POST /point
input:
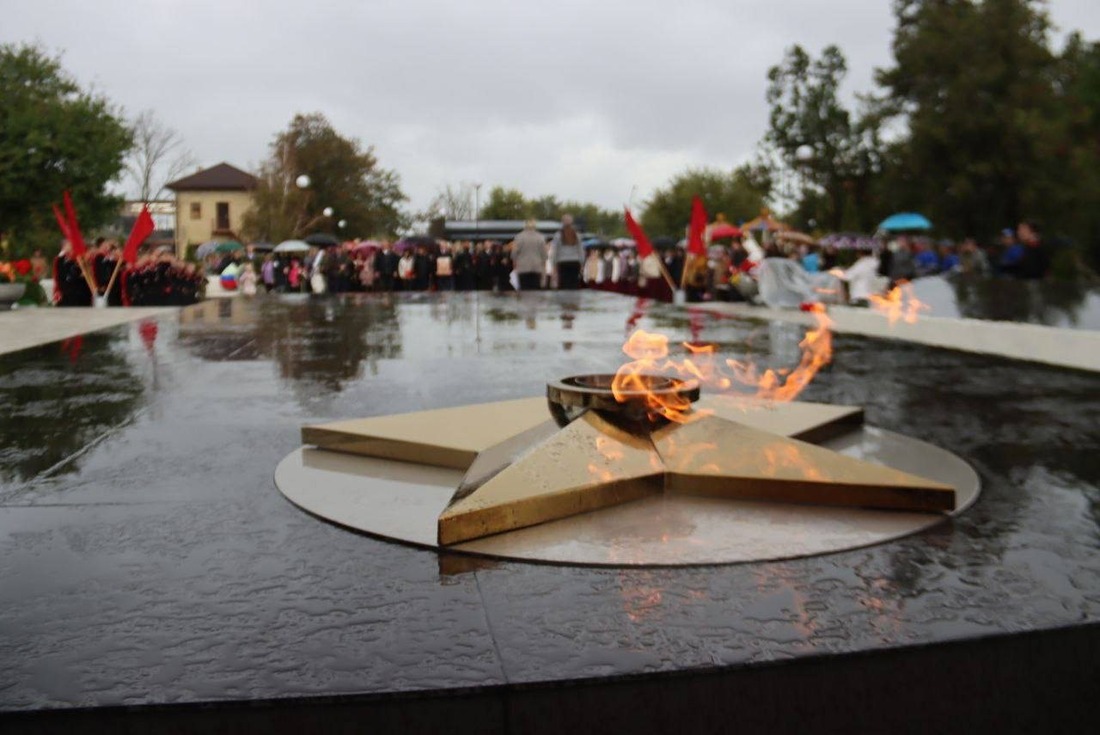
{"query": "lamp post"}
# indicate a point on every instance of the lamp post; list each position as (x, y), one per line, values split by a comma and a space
(804, 158)
(477, 211)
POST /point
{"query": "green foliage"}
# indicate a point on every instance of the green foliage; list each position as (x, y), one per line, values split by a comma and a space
(1076, 187)
(511, 204)
(973, 82)
(739, 195)
(807, 117)
(594, 218)
(505, 204)
(1001, 128)
(987, 126)
(53, 136)
(343, 176)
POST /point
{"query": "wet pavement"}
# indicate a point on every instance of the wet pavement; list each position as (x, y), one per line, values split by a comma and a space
(1069, 304)
(146, 556)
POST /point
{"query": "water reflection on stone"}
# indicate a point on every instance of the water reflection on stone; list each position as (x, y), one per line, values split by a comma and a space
(323, 342)
(162, 533)
(1070, 303)
(58, 398)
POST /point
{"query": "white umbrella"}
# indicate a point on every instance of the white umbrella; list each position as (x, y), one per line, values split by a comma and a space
(206, 248)
(292, 246)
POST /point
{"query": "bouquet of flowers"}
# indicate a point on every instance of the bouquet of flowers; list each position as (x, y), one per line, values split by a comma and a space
(18, 284)
(15, 271)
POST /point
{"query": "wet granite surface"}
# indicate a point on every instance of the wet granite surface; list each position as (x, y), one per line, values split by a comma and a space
(147, 557)
(1068, 304)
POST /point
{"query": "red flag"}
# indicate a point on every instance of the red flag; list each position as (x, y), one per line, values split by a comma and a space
(62, 223)
(75, 238)
(645, 247)
(142, 229)
(698, 226)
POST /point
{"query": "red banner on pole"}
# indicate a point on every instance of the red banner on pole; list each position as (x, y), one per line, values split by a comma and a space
(75, 238)
(645, 247)
(142, 229)
(695, 245)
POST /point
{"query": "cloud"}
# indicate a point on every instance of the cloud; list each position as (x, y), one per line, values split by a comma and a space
(583, 100)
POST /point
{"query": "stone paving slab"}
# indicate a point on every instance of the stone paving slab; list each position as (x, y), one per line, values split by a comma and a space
(149, 565)
(1071, 348)
(24, 328)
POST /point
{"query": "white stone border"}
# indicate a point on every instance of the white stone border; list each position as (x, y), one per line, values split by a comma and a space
(1071, 348)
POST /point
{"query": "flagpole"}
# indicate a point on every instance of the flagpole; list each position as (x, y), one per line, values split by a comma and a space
(114, 275)
(665, 273)
(89, 277)
(653, 251)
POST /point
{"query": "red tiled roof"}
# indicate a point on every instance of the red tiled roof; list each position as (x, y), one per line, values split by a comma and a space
(222, 177)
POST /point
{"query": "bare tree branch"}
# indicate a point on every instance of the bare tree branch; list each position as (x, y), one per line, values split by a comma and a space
(157, 158)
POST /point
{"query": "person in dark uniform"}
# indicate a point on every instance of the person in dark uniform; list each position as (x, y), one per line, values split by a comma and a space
(385, 267)
(463, 267)
(424, 267)
(104, 263)
(71, 288)
(482, 262)
(1034, 263)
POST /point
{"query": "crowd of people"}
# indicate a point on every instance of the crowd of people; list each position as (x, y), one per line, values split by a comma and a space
(154, 279)
(734, 269)
(528, 262)
(422, 264)
(740, 269)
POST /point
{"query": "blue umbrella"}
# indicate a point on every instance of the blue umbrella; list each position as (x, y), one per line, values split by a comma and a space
(905, 221)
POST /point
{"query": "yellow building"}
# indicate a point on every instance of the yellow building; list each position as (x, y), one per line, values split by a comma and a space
(210, 205)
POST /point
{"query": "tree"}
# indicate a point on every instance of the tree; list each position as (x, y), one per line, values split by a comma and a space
(157, 158)
(591, 217)
(739, 195)
(513, 205)
(1077, 89)
(817, 139)
(53, 136)
(505, 204)
(972, 81)
(343, 176)
(453, 202)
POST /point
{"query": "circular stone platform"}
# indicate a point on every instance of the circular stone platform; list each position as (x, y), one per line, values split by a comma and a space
(401, 501)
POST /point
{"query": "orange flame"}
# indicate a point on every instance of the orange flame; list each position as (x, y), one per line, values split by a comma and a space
(783, 385)
(899, 303)
(649, 355)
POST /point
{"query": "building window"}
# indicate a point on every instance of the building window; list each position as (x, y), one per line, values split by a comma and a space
(223, 216)
(196, 210)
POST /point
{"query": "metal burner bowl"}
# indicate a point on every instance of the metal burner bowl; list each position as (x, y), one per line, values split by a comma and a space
(570, 397)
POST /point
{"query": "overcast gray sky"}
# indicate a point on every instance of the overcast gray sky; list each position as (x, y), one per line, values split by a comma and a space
(581, 99)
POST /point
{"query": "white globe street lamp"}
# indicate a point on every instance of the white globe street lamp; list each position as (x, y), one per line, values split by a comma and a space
(303, 181)
(327, 211)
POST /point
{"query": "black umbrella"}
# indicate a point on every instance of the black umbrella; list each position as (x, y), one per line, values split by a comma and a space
(664, 242)
(322, 240)
(263, 247)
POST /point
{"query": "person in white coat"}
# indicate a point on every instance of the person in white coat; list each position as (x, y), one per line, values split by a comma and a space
(863, 279)
(529, 257)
